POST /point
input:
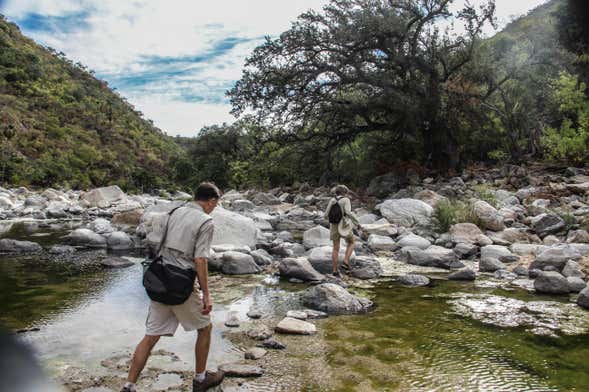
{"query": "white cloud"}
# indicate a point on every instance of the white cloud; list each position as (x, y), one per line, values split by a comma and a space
(182, 118)
(118, 36)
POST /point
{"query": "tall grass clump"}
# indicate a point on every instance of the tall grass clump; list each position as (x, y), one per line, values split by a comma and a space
(485, 193)
(448, 213)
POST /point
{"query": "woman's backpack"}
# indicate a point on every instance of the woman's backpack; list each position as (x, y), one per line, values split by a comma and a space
(336, 213)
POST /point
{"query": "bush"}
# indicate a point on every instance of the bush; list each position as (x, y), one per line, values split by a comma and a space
(483, 192)
(569, 142)
(448, 213)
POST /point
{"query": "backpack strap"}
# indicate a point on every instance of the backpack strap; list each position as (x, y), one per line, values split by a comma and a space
(159, 249)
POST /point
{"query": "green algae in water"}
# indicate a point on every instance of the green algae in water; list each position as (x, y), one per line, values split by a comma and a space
(412, 341)
(32, 289)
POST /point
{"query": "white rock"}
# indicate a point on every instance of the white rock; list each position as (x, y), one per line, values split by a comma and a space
(315, 237)
(232, 228)
(406, 212)
(295, 326)
(104, 197)
(414, 241)
(380, 242)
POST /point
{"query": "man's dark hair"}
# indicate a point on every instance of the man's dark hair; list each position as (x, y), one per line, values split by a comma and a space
(206, 191)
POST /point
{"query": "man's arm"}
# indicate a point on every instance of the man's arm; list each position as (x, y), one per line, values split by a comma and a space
(202, 274)
(202, 250)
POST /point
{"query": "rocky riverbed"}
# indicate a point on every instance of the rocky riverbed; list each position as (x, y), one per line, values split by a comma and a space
(520, 270)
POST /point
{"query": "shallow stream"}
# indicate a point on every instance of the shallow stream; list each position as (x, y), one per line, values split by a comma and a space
(414, 340)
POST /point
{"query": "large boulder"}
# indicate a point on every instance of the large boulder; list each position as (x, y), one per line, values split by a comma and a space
(583, 298)
(527, 249)
(366, 268)
(430, 197)
(414, 241)
(299, 268)
(434, 256)
(100, 226)
(406, 212)
(6, 203)
(14, 246)
(129, 218)
(489, 216)
(86, 237)
(489, 264)
(578, 236)
(334, 299)
(576, 284)
(572, 269)
(237, 263)
(466, 274)
(495, 252)
(266, 199)
(104, 197)
(380, 227)
(119, 240)
(467, 233)
(545, 224)
(551, 283)
(233, 229)
(386, 184)
(57, 209)
(512, 235)
(261, 257)
(367, 219)
(315, 237)
(320, 258)
(381, 242)
(556, 256)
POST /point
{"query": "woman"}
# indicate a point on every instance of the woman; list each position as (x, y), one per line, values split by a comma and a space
(341, 225)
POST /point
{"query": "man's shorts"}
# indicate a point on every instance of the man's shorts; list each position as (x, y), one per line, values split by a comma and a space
(163, 319)
(334, 234)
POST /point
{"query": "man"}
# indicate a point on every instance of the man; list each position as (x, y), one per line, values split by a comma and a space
(341, 225)
(187, 245)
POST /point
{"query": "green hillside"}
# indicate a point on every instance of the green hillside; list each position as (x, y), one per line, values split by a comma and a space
(60, 126)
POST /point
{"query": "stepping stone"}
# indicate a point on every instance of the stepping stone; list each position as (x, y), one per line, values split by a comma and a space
(290, 325)
(255, 353)
(260, 332)
(241, 370)
(298, 314)
(254, 314)
(272, 344)
(232, 320)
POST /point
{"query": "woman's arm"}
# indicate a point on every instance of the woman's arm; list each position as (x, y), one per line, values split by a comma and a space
(326, 213)
(348, 211)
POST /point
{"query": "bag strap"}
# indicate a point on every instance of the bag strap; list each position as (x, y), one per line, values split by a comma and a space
(159, 249)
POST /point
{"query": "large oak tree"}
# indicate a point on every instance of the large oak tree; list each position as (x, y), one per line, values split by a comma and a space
(367, 66)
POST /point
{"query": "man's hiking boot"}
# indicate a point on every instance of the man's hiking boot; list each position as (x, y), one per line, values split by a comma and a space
(212, 379)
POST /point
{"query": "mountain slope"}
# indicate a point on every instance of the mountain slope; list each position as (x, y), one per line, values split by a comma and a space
(60, 126)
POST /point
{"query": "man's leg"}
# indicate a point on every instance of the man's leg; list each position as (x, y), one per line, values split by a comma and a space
(140, 356)
(335, 256)
(201, 348)
(349, 250)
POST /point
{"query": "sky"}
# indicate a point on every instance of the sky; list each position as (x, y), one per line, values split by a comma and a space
(173, 59)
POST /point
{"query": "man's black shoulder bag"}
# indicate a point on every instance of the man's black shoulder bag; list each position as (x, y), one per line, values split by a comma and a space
(165, 283)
